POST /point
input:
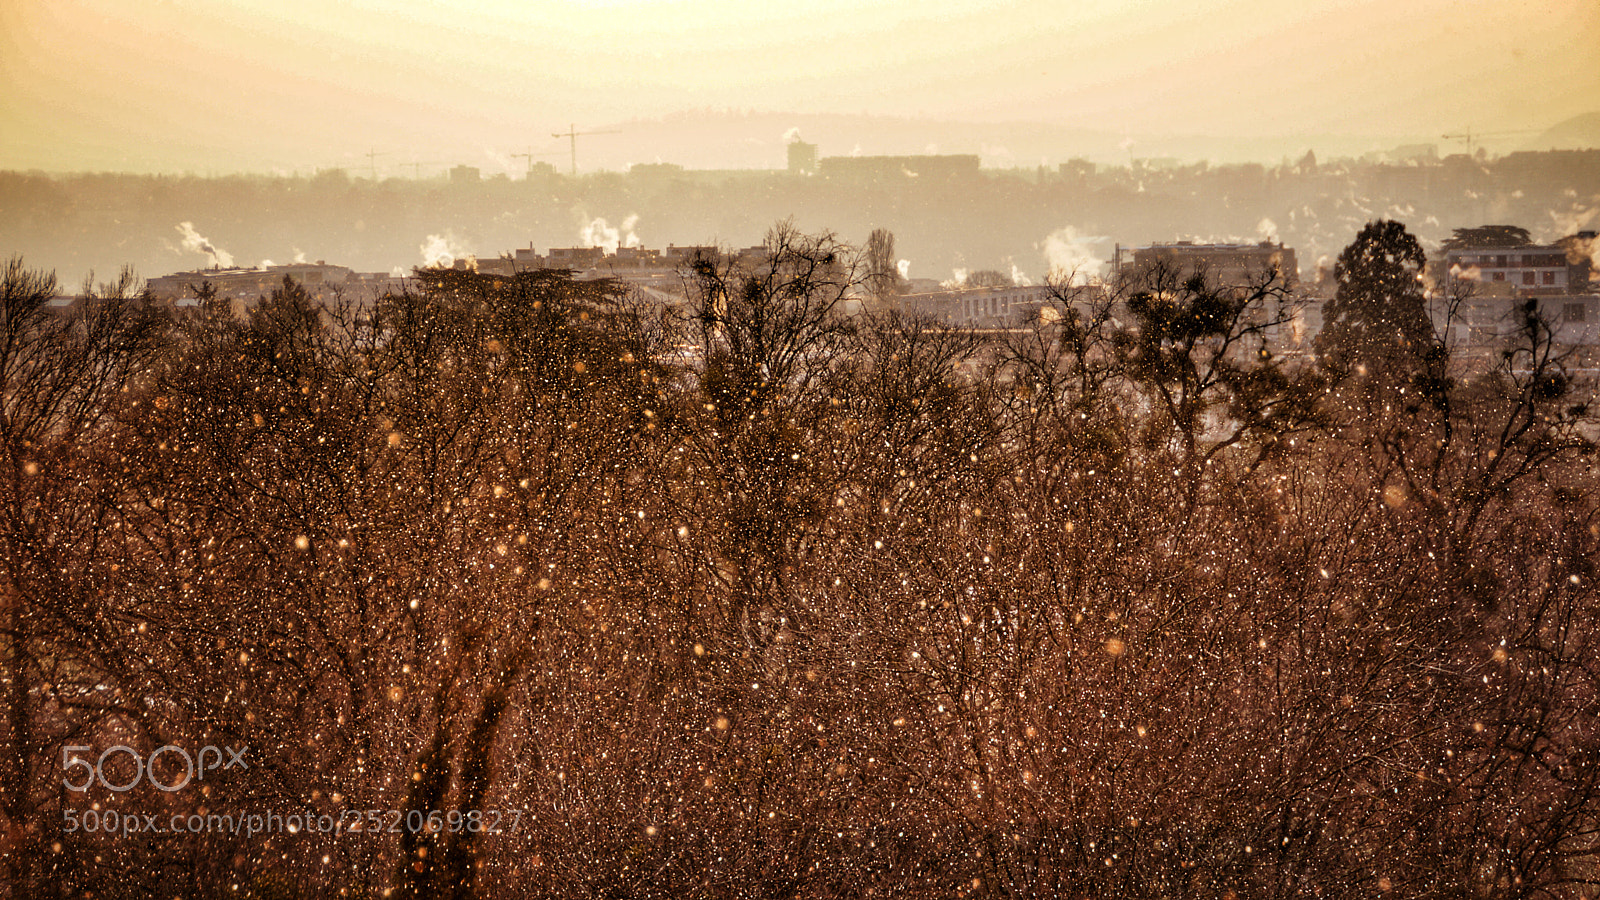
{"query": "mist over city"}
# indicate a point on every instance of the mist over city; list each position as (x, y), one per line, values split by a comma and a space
(698, 448)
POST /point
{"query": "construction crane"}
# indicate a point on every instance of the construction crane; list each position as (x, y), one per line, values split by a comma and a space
(572, 133)
(372, 159)
(1469, 137)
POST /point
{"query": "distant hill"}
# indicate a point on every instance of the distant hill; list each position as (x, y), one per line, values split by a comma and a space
(755, 140)
(1577, 133)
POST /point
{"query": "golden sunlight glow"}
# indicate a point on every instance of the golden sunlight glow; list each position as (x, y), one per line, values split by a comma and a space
(99, 78)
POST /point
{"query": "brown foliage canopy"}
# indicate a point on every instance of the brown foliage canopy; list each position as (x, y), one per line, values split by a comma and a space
(770, 601)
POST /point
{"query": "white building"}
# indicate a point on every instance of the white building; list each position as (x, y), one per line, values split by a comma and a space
(1528, 269)
(994, 307)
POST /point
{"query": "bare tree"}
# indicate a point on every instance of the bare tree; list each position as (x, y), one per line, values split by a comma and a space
(1118, 603)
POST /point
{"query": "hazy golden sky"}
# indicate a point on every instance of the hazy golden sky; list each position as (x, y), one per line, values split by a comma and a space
(262, 84)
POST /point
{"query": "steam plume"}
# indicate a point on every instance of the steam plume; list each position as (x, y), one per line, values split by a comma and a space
(1072, 254)
(442, 250)
(194, 241)
(600, 233)
(1574, 220)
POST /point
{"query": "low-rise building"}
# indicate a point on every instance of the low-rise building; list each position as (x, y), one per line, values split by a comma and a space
(1488, 321)
(575, 257)
(1540, 268)
(987, 307)
(250, 284)
(933, 167)
(1223, 265)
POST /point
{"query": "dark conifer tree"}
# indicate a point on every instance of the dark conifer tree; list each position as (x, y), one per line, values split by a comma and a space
(1378, 318)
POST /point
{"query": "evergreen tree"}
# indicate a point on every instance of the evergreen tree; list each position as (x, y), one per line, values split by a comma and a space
(1378, 318)
(1489, 236)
